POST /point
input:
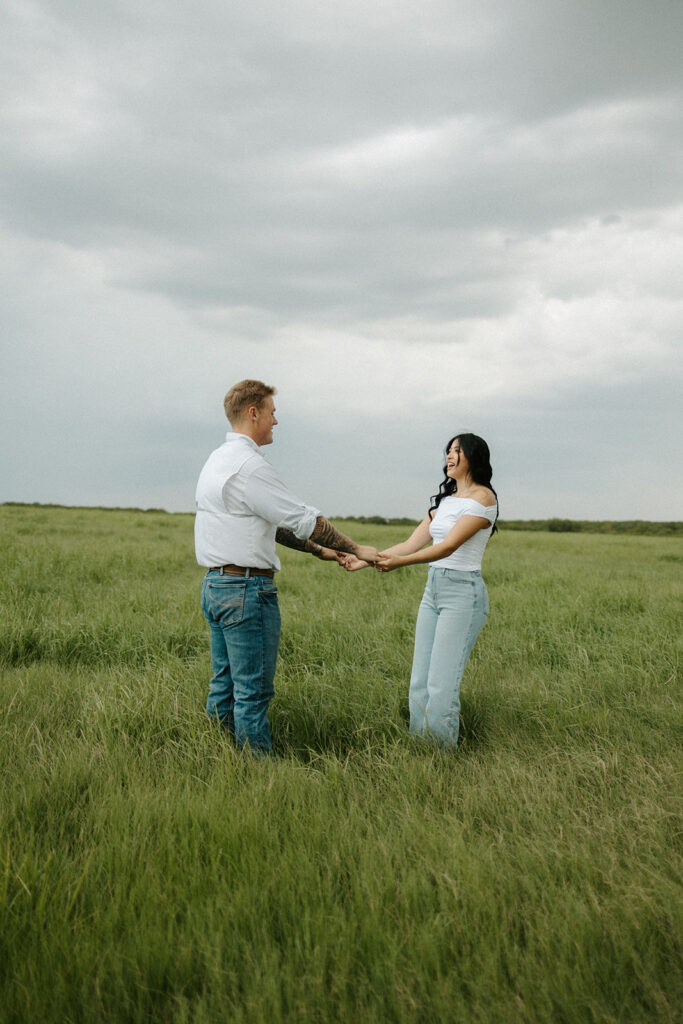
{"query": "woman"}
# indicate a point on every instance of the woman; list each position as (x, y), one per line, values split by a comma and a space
(454, 608)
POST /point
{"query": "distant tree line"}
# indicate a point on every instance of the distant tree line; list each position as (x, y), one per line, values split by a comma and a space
(632, 526)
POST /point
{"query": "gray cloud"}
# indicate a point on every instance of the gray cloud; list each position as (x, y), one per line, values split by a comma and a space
(482, 197)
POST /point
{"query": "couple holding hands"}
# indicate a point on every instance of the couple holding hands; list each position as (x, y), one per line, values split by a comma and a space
(244, 509)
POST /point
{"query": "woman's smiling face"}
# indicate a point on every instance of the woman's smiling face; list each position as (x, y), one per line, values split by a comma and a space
(456, 460)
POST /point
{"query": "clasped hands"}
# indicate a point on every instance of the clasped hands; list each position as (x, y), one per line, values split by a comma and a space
(365, 556)
(381, 561)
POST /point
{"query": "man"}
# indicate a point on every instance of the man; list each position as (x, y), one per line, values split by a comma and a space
(243, 508)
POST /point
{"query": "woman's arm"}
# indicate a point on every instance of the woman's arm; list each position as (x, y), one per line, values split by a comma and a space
(465, 528)
(418, 538)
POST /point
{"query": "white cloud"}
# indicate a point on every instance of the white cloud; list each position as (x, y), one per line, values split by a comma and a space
(378, 155)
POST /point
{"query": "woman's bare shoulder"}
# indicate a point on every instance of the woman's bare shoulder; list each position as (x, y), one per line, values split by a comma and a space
(484, 495)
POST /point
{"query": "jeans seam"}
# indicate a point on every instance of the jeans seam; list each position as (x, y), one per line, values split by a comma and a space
(262, 637)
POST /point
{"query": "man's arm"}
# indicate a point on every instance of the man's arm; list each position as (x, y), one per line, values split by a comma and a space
(331, 537)
(290, 540)
(267, 497)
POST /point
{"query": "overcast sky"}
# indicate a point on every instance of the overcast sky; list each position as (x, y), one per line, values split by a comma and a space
(412, 218)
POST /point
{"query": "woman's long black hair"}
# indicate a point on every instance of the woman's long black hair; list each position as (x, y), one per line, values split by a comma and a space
(476, 451)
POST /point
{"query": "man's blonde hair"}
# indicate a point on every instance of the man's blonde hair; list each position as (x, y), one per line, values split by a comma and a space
(243, 395)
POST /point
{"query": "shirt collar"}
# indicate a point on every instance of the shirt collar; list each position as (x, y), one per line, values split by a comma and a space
(234, 438)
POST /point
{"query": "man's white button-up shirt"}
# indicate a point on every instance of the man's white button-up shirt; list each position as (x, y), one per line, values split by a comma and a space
(240, 503)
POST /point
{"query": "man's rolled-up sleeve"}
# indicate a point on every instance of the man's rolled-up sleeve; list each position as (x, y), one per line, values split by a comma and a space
(267, 497)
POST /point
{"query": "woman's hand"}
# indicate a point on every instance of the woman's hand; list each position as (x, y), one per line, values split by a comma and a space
(387, 563)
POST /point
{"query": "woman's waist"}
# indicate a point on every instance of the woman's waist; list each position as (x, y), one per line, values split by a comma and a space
(440, 568)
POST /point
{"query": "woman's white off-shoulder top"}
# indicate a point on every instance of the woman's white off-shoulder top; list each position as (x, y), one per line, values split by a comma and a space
(469, 555)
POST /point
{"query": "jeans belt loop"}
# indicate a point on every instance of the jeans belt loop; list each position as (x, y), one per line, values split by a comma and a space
(247, 574)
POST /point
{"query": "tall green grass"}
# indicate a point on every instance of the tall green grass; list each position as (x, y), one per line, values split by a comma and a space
(150, 872)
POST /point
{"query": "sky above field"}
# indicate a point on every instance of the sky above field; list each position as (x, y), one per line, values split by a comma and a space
(413, 219)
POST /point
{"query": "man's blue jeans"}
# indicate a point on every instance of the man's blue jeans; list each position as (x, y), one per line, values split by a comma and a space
(453, 610)
(244, 618)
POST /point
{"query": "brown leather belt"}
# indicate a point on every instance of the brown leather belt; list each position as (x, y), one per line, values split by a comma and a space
(239, 570)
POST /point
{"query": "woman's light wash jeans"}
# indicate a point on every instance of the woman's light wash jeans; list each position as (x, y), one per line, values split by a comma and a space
(244, 617)
(453, 610)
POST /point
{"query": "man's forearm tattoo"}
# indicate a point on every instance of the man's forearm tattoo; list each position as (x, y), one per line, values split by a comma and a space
(327, 535)
(290, 540)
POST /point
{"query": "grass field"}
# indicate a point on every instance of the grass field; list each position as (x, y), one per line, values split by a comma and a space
(149, 872)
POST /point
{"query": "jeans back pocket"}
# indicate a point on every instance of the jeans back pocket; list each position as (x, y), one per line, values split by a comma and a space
(226, 602)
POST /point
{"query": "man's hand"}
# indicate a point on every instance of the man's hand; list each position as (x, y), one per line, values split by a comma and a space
(351, 563)
(328, 555)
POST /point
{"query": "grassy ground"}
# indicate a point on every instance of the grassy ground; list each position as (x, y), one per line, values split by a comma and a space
(148, 872)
